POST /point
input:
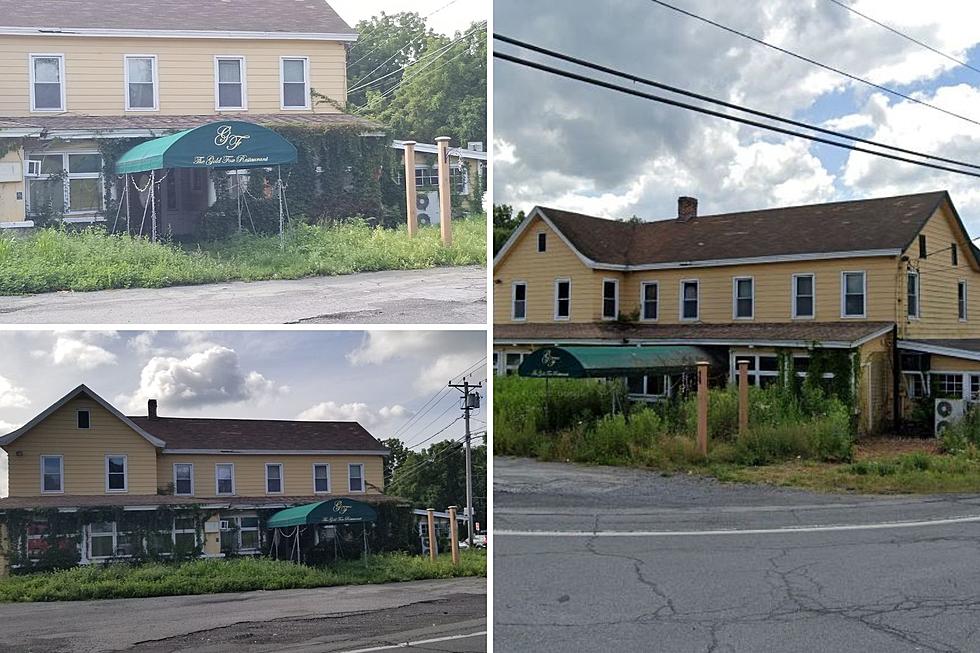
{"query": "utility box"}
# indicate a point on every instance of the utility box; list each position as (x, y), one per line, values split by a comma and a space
(11, 172)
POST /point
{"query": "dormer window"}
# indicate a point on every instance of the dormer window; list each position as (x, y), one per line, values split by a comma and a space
(83, 419)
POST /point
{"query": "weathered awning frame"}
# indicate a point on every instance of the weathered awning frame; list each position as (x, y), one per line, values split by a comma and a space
(610, 361)
(290, 522)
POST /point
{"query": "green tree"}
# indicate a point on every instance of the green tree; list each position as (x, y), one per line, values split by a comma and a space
(387, 43)
(398, 453)
(504, 224)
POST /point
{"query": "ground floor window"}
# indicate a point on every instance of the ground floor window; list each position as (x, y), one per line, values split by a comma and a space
(915, 385)
(764, 368)
(106, 541)
(653, 385)
(67, 183)
(947, 385)
(507, 363)
(240, 534)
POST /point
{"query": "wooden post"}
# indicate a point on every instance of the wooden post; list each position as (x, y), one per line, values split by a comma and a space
(743, 397)
(432, 534)
(445, 194)
(410, 191)
(453, 534)
(703, 408)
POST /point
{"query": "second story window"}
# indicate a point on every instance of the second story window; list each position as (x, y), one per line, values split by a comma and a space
(922, 246)
(273, 478)
(47, 82)
(321, 478)
(542, 242)
(912, 294)
(519, 301)
(141, 83)
(852, 294)
(356, 477)
(563, 299)
(184, 479)
(295, 83)
(961, 299)
(689, 300)
(803, 296)
(743, 291)
(650, 296)
(229, 75)
(116, 473)
(610, 299)
(52, 474)
(224, 478)
(83, 419)
(954, 255)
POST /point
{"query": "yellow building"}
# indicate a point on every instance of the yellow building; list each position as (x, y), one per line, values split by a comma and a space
(198, 484)
(887, 280)
(97, 76)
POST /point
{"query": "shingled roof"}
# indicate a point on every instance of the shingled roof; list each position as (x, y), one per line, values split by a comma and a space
(887, 223)
(214, 434)
(166, 123)
(293, 16)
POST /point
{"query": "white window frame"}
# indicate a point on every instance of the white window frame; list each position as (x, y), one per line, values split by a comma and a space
(156, 82)
(538, 242)
(115, 542)
(843, 294)
(282, 83)
(329, 478)
(918, 295)
(125, 487)
(602, 295)
(735, 315)
(61, 472)
(697, 313)
(217, 94)
(83, 428)
(565, 318)
(174, 531)
(506, 368)
(513, 301)
(217, 492)
(69, 176)
(282, 480)
(643, 301)
(794, 296)
(61, 69)
(179, 494)
(351, 466)
(963, 315)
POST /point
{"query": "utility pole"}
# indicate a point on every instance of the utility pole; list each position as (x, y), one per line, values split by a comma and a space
(471, 400)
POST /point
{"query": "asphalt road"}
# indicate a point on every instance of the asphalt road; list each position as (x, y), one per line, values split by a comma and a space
(443, 615)
(590, 559)
(448, 295)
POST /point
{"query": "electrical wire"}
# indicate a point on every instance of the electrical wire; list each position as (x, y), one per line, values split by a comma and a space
(403, 474)
(718, 114)
(437, 398)
(361, 36)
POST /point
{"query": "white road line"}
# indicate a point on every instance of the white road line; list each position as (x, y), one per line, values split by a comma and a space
(421, 641)
(743, 531)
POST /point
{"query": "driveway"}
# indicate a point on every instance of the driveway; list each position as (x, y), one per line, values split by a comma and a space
(448, 295)
(443, 615)
(590, 556)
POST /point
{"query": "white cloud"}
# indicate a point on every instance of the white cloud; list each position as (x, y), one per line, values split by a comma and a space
(330, 411)
(12, 396)
(142, 343)
(442, 355)
(206, 377)
(75, 352)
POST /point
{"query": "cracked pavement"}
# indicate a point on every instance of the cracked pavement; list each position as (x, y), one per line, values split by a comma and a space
(903, 589)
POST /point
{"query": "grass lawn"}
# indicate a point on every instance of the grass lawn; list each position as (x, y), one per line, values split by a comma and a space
(52, 260)
(118, 581)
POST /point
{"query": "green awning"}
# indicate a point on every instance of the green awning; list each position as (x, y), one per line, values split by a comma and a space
(610, 362)
(229, 144)
(334, 511)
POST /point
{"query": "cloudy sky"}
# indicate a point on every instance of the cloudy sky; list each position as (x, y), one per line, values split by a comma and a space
(562, 143)
(382, 379)
(445, 19)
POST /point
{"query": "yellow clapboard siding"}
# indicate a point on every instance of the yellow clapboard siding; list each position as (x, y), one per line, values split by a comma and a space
(11, 208)
(84, 453)
(250, 472)
(94, 77)
(949, 364)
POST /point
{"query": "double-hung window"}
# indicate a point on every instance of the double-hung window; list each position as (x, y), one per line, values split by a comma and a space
(184, 534)
(355, 477)
(912, 294)
(224, 478)
(563, 299)
(803, 296)
(689, 300)
(321, 478)
(47, 82)
(105, 541)
(518, 301)
(116, 473)
(610, 299)
(853, 292)
(295, 74)
(273, 478)
(141, 82)
(69, 183)
(743, 298)
(961, 299)
(52, 474)
(649, 300)
(184, 479)
(229, 82)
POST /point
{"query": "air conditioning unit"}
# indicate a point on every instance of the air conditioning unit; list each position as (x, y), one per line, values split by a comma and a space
(32, 168)
(475, 146)
(427, 205)
(225, 525)
(947, 412)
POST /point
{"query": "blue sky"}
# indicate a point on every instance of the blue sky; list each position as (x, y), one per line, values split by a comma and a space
(378, 378)
(561, 143)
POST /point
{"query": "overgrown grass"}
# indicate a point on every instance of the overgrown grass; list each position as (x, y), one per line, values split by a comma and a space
(239, 575)
(53, 259)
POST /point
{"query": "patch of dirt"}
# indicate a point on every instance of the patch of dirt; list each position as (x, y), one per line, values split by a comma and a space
(883, 447)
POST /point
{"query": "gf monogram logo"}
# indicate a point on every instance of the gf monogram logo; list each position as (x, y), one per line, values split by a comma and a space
(341, 507)
(228, 140)
(548, 359)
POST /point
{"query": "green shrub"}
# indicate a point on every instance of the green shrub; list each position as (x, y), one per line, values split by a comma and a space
(962, 436)
(524, 407)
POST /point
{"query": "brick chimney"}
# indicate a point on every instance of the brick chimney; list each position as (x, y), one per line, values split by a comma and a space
(687, 208)
(151, 408)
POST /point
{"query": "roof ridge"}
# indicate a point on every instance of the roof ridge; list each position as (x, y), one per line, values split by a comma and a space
(250, 419)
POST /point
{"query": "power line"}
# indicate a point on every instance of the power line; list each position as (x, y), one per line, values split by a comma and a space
(706, 98)
(718, 114)
(428, 460)
(812, 61)
(425, 17)
(437, 397)
(442, 430)
(905, 36)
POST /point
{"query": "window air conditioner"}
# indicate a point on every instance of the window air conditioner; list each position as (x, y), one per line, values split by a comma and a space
(32, 168)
